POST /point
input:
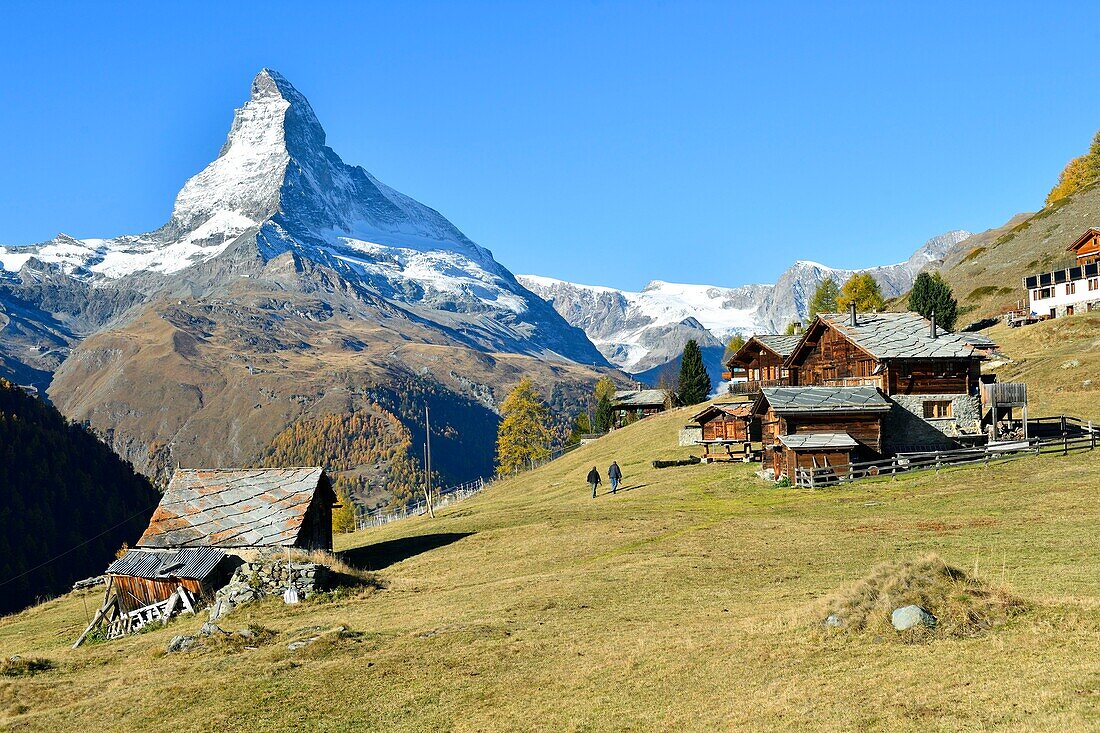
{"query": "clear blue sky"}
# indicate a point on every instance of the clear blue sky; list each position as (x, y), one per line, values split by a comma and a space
(602, 142)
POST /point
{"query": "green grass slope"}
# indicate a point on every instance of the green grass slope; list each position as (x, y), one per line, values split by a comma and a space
(1060, 362)
(687, 602)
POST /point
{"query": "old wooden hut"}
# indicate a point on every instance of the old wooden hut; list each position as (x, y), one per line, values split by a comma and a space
(629, 405)
(847, 423)
(143, 577)
(726, 430)
(207, 520)
(759, 363)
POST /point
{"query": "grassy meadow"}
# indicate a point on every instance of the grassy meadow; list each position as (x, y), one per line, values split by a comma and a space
(689, 601)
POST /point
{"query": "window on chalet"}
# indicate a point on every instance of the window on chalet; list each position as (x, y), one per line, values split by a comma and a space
(937, 409)
(1094, 283)
(1071, 288)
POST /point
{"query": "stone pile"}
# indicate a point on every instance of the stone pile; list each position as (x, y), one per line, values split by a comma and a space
(258, 579)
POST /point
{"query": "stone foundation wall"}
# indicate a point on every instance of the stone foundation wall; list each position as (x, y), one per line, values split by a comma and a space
(906, 429)
(688, 436)
(264, 577)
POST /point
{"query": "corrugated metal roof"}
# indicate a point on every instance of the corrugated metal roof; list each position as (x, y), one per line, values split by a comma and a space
(640, 397)
(255, 507)
(780, 343)
(825, 399)
(188, 562)
(818, 441)
(900, 336)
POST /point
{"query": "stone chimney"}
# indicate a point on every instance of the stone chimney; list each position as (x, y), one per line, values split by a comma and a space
(852, 312)
(933, 332)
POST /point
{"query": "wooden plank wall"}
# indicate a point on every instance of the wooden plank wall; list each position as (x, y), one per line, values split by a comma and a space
(830, 358)
(866, 429)
(933, 376)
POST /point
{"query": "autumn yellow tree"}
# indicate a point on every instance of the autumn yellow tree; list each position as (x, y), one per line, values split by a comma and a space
(863, 290)
(1078, 173)
(343, 516)
(524, 433)
(605, 387)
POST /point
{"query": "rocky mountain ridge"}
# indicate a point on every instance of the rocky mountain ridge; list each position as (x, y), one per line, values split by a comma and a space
(642, 331)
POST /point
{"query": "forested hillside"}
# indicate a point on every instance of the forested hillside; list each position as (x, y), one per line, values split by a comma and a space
(66, 501)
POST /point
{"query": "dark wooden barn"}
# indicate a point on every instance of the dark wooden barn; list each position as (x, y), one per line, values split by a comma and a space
(727, 430)
(759, 363)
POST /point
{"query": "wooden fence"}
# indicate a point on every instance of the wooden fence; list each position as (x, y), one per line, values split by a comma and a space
(822, 476)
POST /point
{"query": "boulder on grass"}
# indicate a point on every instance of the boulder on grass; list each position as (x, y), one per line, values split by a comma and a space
(181, 643)
(910, 617)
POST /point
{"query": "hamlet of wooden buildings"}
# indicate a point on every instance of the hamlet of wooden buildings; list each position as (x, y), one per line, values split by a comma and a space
(209, 522)
(859, 387)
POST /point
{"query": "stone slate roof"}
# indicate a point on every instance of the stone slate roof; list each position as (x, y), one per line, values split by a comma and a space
(825, 399)
(254, 507)
(189, 562)
(733, 409)
(900, 336)
(818, 441)
(639, 398)
(780, 344)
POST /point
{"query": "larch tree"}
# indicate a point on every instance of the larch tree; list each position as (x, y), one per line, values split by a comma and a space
(825, 298)
(582, 425)
(1078, 173)
(605, 387)
(343, 516)
(694, 384)
(864, 291)
(734, 345)
(931, 294)
(524, 434)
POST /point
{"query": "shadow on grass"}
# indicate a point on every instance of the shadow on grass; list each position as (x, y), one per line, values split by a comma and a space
(624, 489)
(383, 554)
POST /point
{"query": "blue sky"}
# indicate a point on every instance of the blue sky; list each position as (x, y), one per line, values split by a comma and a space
(601, 142)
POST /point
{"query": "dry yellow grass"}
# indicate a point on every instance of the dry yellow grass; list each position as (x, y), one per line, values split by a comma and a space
(683, 603)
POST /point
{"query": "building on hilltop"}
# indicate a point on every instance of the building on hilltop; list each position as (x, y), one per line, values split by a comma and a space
(629, 405)
(759, 363)
(1074, 287)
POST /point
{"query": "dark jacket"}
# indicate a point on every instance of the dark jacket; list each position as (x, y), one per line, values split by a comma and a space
(594, 477)
(614, 472)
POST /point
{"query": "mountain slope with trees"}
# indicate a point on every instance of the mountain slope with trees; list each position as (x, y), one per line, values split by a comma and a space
(67, 503)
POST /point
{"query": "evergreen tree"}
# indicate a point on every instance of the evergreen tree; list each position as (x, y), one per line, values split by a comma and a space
(931, 293)
(825, 298)
(524, 433)
(694, 380)
(604, 414)
(864, 291)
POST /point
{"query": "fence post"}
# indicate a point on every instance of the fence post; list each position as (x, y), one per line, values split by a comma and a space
(1065, 441)
(1092, 437)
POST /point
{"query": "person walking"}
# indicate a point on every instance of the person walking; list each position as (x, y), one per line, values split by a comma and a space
(615, 475)
(594, 480)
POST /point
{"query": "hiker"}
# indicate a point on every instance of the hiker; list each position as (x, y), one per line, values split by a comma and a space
(615, 475)
(594, 480)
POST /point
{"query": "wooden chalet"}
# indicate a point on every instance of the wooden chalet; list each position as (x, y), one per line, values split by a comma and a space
(727, 431)
(1086, 248)
(629, 405)
(932, 376)
(206, 521)
(760, 363)
(813, 427)
(1072, 288)
(900, 353)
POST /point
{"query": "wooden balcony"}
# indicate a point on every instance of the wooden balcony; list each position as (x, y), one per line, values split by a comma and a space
(754, 387)
(1005, 394)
